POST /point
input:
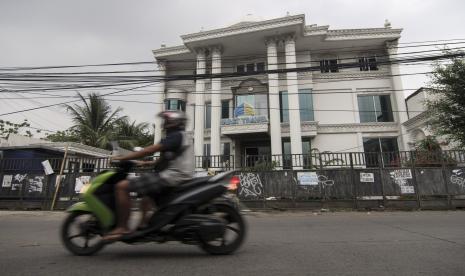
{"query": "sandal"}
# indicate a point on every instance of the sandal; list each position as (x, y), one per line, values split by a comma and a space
(114, 236)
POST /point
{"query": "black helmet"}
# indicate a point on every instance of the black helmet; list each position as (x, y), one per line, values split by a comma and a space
(173, 119)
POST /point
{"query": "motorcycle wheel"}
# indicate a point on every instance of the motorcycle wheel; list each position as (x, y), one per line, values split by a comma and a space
(234, 234)
(81, 234)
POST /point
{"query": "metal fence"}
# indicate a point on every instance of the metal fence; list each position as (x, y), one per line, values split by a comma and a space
(353, 180)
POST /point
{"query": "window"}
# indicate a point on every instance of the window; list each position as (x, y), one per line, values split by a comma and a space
(258, 102)
(368, 63)
(225, 109)
(329, 65)
(225, 151)
(306, 151)
(240, 68)
(387, 147)
(250, 67)
(175, 104)
(376, 108)
(284, 107)
(206, 149)
(208, 115)
(305, 105)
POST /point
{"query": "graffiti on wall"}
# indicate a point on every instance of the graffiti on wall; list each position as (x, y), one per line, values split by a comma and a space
(18, 181)
(458, 178)
(325, 181)
(251, 185)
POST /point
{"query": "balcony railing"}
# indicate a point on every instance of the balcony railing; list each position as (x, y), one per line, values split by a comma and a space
(334, 160)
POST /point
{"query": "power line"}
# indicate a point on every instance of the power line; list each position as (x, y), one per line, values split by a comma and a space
(57, 74)
(50, 105)
(229, 75)
(235, 56)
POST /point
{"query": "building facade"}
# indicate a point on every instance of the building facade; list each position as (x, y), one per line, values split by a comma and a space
(281, 88)
(417, 125)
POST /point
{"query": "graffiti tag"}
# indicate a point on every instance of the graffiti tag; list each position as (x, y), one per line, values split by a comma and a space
(458, 178)
(251, 185)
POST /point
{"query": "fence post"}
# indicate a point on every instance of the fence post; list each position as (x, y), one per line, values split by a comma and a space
(381, 179)
(322, 187)
(354, 182)
(446, 183)
(414, 179)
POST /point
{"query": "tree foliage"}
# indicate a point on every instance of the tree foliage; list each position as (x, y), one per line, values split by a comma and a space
(94, 120)
(8, 127)
(96, 124)
(447, 104)
(133, 134)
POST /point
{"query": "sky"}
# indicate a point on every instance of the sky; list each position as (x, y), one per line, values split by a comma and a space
(64, 32)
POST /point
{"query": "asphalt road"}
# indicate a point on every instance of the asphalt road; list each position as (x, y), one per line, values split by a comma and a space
(344, 243)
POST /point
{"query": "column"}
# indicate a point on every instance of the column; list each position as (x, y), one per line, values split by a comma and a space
(398, 94)
(215, 130)
(190, 111)
(273, 99)
(199, 104)
(159, 99)
(293, 96)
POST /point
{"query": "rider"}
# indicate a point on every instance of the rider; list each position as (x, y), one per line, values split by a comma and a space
(175, 165)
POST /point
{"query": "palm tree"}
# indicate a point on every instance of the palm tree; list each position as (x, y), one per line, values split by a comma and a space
(94, 120)
(132, 134)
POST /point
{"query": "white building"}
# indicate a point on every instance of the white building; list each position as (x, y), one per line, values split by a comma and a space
(350, 100)
(418, 118)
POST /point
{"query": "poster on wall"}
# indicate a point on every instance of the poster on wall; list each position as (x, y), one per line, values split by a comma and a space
(47, 167)
(307, 178)
(407, 189)
(367, 177)
(7, 181)
(402, 174)
(81, 182)
(35, 184)
(17, 181)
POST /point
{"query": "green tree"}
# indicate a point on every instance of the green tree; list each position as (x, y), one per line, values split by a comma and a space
(447, 106)
(8, 127)
(69, 135)
(133, 134)
(94, 121)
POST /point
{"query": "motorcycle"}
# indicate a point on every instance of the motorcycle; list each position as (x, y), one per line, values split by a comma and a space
(199, 212)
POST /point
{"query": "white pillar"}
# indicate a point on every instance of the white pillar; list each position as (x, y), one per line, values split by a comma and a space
(273, 99)
(398, 93)
(199, 104)
(294, 112)
(215, 130)
(190, 111)
(159, 99)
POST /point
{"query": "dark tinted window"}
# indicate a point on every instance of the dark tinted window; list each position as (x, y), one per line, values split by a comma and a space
(240, 68)
(375, 108)
(225, 109)
(250, 67)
